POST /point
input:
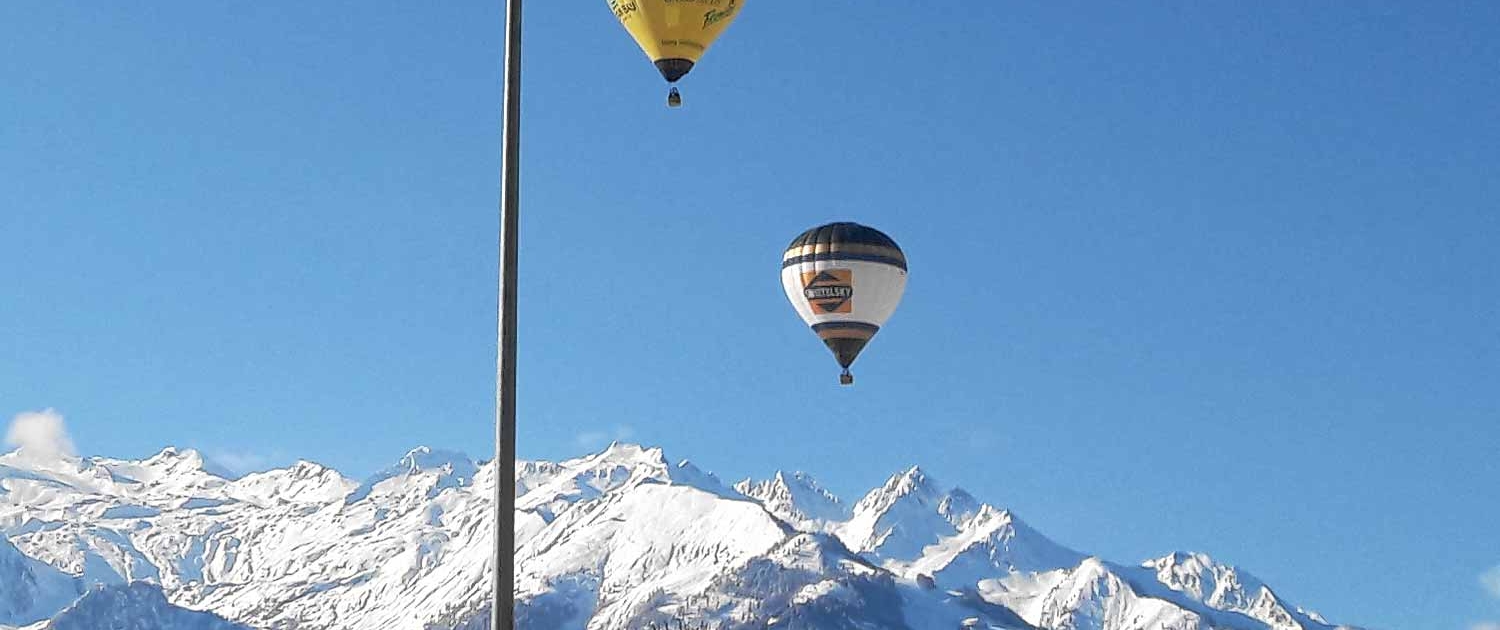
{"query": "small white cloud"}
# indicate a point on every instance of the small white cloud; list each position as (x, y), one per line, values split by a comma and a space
(40, 432)
(1485, 625)
(1490, 580)
(597, 438)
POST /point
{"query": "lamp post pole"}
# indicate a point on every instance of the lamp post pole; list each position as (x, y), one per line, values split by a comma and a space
(502, 615)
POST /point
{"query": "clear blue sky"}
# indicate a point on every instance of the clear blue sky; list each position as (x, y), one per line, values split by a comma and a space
(1216, 275)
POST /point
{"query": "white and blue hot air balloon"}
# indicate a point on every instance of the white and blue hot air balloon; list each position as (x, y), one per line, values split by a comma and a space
(845, 280)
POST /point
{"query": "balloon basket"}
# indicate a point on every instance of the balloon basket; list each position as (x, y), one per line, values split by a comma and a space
(674, 98)
(846, 378)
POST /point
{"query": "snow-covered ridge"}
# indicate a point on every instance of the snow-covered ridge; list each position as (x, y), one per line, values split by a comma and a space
(797, 499)
(616, 539)
(130, 607)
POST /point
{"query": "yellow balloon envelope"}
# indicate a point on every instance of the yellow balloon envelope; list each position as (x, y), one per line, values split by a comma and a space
(675, 33)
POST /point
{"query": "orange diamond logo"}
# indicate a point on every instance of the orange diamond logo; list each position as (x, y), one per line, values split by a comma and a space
(830, 290)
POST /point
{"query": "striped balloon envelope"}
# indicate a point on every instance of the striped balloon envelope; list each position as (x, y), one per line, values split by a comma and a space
(845, 280)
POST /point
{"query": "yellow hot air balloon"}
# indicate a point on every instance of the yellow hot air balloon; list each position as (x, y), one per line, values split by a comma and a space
(675, 33)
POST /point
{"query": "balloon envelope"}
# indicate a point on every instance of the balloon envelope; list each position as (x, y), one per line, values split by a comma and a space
(845, 280)
(675, 33)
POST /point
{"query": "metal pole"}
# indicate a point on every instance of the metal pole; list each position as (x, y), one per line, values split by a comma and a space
(502, 616)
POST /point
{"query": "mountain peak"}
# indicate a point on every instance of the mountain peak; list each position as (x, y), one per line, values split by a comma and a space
(302, 482)
(1196, 563)
(914, 483)
(174, 460)
(959, 507)
(797, 499)
(309, 466)
(172, 454)
(989, 514)
(990, 541)
(897, 520)
(31, 458)
(546, 487)
(685, 473)
(638, 463)
(627, 452)
(1219, 586)
(806, 480)
(915, 474)
(440, 470)
(1193, 559)
(426, 458)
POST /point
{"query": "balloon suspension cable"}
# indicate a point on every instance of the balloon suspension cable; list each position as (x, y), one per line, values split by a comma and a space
(846, 378)
(674, 98)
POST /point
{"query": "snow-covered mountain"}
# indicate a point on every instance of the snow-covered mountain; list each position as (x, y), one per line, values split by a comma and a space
(31, 590)
(138, 606)
(618, 539)
(797, 499)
